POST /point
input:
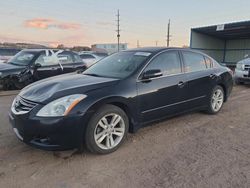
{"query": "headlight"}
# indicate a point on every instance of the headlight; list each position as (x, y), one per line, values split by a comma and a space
(240, 66)
(61, 107)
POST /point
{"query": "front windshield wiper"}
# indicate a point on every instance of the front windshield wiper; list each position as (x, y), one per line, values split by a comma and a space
(92, 74)
(14, 63)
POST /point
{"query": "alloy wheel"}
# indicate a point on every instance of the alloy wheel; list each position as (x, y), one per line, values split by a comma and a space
(109, 131)
(217, 100)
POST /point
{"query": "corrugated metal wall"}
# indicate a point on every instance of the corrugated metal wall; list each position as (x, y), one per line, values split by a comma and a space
(235, 49)
(214, 47)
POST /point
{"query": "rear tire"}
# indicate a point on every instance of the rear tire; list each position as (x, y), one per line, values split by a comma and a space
(106, 130)
(216, 100)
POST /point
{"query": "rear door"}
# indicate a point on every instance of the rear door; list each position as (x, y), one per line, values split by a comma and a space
(67, 61)
(201, 78)
(165, 95)
(48, 67)
(71, 62)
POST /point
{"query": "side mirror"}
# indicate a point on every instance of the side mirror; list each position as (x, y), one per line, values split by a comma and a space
(154, 73)
(37, 65)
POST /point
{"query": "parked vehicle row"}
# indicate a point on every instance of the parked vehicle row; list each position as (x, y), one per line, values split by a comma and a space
(31, 65)
(119, 94)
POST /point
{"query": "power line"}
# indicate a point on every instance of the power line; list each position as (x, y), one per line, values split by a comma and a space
(118, 30)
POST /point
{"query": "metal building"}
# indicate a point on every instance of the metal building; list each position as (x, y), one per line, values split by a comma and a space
(226, 43)
(110, 48)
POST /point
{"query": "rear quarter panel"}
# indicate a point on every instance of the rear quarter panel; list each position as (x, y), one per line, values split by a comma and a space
(226, 80)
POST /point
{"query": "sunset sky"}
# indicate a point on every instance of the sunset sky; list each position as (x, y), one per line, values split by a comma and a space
(85, 22)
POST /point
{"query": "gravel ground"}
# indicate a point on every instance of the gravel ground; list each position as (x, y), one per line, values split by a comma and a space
(194, 150)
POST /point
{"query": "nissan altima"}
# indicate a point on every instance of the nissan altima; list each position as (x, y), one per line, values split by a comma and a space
(119, 94)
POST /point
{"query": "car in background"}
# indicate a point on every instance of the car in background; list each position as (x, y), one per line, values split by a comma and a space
(31, 65)
(4, 59)
(7, 53)
(242, 71)
(120, 93)
(90, 58)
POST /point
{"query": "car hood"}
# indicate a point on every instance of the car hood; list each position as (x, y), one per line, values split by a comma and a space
(53, 88)
(7, 68)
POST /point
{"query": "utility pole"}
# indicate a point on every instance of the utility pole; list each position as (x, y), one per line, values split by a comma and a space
(168, 33)
(138, 44)
(156, 43)
(118, 30)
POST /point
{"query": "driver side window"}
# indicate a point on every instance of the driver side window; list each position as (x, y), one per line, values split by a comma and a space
(168, 62)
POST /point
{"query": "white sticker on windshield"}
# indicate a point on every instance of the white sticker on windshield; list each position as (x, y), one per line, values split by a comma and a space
(143, 54)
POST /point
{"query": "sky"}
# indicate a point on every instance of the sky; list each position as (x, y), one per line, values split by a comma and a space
(86, 22)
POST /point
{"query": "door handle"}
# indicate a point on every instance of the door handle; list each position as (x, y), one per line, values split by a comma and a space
(212, 76)
(181, 84)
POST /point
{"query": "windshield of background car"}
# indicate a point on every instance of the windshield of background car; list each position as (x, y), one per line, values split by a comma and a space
(22, 58)
(119, 65)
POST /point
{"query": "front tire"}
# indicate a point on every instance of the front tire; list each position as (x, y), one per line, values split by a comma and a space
(106, 130)
(216, 100)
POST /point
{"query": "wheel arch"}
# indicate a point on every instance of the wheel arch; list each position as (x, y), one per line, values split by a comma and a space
(225, 90)
(121, 103)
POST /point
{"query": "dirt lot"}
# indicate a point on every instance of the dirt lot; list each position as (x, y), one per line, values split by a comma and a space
(194, 150)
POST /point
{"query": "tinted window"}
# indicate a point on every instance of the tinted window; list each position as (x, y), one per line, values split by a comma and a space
(87, 56)
(194, 62)
(168, 63)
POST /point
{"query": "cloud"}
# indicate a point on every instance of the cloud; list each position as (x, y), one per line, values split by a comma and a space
(46, 23)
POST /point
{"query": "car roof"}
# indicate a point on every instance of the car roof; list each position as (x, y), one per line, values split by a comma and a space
(42, 50)
(156, 50)
(152, 49)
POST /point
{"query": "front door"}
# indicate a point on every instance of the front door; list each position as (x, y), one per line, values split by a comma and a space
(165, 95)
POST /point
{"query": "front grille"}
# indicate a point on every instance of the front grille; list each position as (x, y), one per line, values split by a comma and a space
(247, 67)
(23, 105)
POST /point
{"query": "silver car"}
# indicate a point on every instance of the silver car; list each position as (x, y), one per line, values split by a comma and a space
(242, 71)
(90, 58)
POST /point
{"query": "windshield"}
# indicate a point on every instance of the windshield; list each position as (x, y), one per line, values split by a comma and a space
(119, 65)
(22, 58)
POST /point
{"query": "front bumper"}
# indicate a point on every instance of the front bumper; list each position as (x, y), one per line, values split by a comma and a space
(58, 133)
(242, 75)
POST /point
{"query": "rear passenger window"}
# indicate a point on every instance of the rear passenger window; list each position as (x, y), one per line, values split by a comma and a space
(194, 61)
(65, 58)
(167, 62)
